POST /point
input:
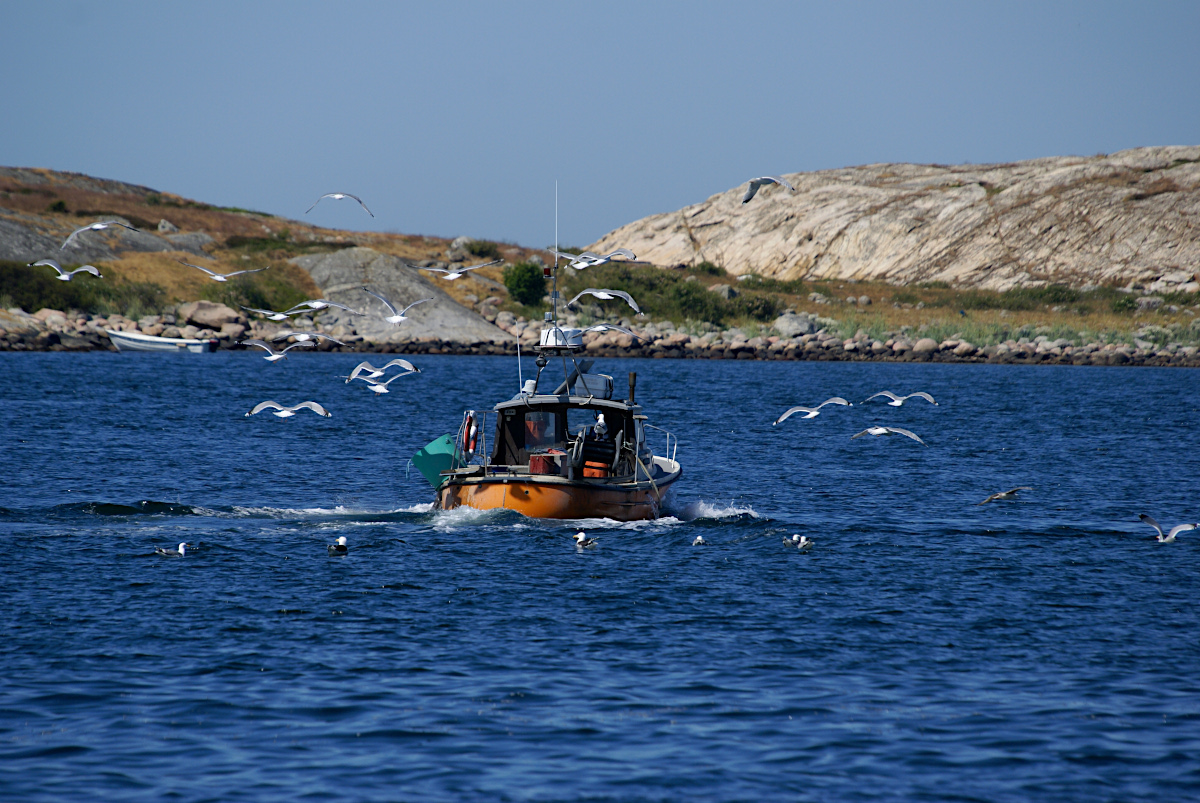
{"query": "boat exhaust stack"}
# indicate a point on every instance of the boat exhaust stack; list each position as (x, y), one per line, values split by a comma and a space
(632, 384)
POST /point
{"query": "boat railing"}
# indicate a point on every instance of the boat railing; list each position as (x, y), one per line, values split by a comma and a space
(672, 441)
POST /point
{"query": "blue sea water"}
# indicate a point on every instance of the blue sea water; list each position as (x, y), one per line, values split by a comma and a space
(927, 648)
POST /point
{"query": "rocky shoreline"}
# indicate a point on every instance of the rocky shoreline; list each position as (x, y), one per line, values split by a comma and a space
(794, 336)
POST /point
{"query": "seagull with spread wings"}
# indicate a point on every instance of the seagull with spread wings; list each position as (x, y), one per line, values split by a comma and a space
(272, 353)
(755, 183)
(589, 260)
(288, 412)
(397, 317)
(302, 337)
(65, 276)
(604, 327)
(99, 226)
(337, 196)
(607, 295)
(1174, 531)
(320, 304)
(1004, 496)
(880, 431)
(272, 315)
(368, 371)
(220, 277)
(454, 273)
(811, 412)
(897, 401)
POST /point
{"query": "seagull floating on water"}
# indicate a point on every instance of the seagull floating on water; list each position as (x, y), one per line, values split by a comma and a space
(274, 354)
(304, 337)
(453, 273)
(589, 260)
(368, 371)
(1005, 495)
(340, 547)
(1170, 536)
(897, 401)
(288, 412)
(396, 318)
(699, 541)
(608, 295)
(799, 541)
(812, 412)
(582, 541)
(172, 553)
(104, 224)
(755, 183)
(65, 276)
(220, 277)
(877, 431)
(337, 196)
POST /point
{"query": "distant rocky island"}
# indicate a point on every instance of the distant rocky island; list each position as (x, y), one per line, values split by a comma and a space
(1132, 216)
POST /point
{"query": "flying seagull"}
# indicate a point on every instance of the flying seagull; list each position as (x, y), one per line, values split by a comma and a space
(454, 273)
(304, 337)
(812, 412)
(337, 196)
(1170, 536)
(172, 553)
(877, 431)
(582, 541)
(363, 368)
(382, 387)
(272, 315)
(65, 276)
(608, 295)
(319, 304)
(340, 547)
(755, 183)
(220, 277)
(288, 412)
(589, 260)
(603, 327)
(396, 318)
(272, 353)
(897, 401)
(799, 541)
(1004, 495)
(104, 224)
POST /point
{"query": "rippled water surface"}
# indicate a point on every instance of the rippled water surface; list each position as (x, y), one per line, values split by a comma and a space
(927, 648)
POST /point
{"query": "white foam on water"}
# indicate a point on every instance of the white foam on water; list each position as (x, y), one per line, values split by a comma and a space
(708, 510)
(337, 510)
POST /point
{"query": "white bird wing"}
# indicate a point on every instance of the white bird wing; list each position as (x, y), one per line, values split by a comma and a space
(405, 364)
(477, 267)
(620, 252)
(51, 262)
(859, 435)
(86, 269)
(122, 225)
(266, 311)
(783, 181)
(906, 433)
(835, 400)
(199, 267)
(393, 379)
(240, 272)
(793, 410)
(358, 369)
(73, 235)
(920, 394)
(303, 344)
(1181, 528)
(601, 327)
(391, 307)
(887, 393)
(262, 344)
(594, 291)
(360, 203)
(1151, 522)
(311, 405)
(258, 408)
(415, 303)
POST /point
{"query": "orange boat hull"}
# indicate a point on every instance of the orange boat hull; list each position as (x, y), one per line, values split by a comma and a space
(542, 500)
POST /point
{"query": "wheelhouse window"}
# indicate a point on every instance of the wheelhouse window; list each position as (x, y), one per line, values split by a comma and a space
(541, 430)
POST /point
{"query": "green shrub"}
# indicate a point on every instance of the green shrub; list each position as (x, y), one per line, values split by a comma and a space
(707, 268)
(525, 283)
(1124, 304)
(483, 249)
(58, 206)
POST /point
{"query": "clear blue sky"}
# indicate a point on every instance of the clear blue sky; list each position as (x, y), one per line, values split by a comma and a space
(457, 118)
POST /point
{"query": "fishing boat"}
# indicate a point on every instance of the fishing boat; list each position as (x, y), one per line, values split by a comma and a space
(569, 450)
(136, 341)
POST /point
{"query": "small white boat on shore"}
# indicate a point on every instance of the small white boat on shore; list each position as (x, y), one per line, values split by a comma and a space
(136, 341)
